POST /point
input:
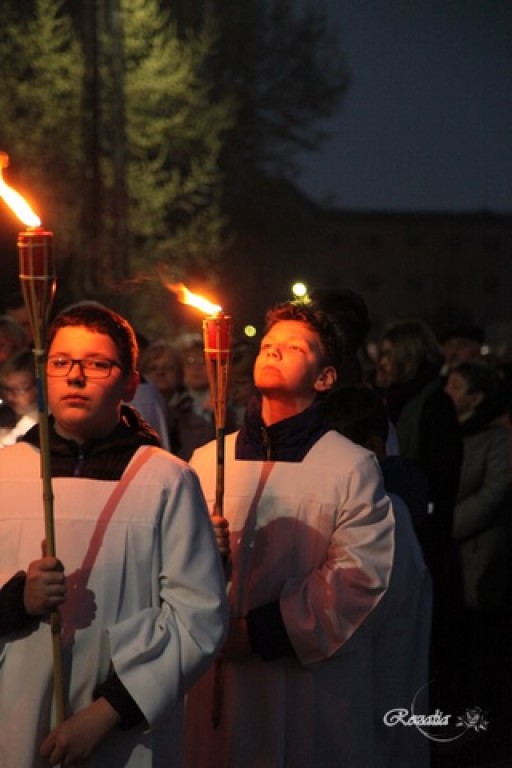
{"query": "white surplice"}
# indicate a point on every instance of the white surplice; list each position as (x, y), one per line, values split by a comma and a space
(318, 536)
(146, 599)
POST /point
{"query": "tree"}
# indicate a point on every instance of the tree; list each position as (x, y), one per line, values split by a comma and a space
(141, 175)
(174, 134)
(281, 61)
(39, 109)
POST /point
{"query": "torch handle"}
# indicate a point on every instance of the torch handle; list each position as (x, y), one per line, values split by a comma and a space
(217, 345)
(49, 526)
(219, 484)
(37, 281)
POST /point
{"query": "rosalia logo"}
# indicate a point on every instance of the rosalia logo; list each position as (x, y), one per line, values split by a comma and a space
(403, 717)
(437, 726)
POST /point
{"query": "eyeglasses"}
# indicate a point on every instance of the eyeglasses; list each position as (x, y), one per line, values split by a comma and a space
(92, 367)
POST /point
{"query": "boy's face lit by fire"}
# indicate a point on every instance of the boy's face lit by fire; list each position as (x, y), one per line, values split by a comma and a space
(290, 361)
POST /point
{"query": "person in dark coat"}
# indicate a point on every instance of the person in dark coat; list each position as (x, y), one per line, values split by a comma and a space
(407, 377)
(481, 531)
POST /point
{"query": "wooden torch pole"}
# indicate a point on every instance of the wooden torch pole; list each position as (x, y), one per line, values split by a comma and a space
(217, 348)
(37, 279)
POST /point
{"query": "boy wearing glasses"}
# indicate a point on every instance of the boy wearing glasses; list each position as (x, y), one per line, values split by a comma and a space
(145, 606)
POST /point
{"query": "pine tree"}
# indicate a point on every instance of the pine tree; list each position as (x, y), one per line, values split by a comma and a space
(120, 139)
(41, 69)
(174, 137)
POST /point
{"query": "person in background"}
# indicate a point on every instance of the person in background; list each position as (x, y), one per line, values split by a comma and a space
(311, 541)
(162, 364)
(481, 528)
(461, 343)
(12, 338)
(152, 407)
(407, 378)
(187, 428)
(16, 308)
(484, 483)
(146, 608)
(18, 389)
(195, 379)
(241, 381)
(350, 313)
(358, 413)
(195, 374)
(480, 519)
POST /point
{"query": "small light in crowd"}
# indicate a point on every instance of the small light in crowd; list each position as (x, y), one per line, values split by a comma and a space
(299, 290)
(250, 331)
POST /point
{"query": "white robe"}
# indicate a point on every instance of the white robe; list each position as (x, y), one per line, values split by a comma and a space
(319, 537)
(21, 427)
(150, 603)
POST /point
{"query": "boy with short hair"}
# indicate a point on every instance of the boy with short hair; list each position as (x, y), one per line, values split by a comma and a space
(311, 538)
(145, 608)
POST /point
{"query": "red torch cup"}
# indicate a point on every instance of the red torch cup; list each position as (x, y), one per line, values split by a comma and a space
(217, 351)
(37, 278)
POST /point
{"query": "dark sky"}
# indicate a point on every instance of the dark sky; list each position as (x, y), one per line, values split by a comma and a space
(427, 122)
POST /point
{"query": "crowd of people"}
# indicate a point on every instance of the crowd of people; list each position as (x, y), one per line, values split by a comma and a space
(361, 565)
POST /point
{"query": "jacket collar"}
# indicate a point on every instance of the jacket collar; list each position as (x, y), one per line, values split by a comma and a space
(131, 424)
(287, 440)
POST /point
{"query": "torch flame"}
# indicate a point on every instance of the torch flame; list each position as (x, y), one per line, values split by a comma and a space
(14, 200)
(193, 299)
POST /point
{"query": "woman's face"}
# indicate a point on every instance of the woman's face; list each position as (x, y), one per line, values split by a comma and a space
(386, 371)
(465, 402)
(164, 373)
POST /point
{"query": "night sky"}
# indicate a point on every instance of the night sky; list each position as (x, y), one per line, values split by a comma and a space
(427, 122)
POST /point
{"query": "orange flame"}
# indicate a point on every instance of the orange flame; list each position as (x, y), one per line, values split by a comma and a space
(14, 200)
(193, 299)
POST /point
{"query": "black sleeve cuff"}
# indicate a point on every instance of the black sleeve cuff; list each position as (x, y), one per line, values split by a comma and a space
(267, 632)
(13, 615)
(118, 697)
